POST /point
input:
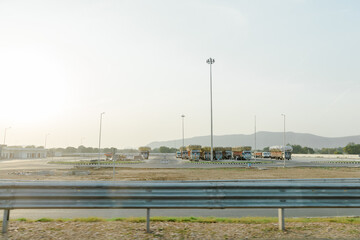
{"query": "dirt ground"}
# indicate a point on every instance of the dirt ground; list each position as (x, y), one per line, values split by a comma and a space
(174, 230)
(151, 174)
(179, 230)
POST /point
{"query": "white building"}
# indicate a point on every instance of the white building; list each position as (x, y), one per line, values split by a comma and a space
(21, 153)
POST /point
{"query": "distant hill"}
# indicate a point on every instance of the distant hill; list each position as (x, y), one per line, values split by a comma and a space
(263, 139)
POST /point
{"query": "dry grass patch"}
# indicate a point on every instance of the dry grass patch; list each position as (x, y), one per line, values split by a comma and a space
(180, 230)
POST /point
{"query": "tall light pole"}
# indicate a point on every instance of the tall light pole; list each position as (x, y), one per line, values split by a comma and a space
(5, 133)
(255, 137)
(211, 61)
(101, 114)
(183, 133)
(284, 139)
(46, 139)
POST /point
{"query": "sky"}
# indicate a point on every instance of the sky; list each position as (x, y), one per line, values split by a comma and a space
(143, 63)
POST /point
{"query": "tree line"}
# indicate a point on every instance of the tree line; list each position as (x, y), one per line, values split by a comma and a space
(350, 148)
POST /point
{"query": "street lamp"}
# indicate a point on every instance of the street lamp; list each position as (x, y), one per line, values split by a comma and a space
(211, 61)
(101, 114)
(183, 133)
(46, 140)
(5, 133)
(255, 138)
(284, 139)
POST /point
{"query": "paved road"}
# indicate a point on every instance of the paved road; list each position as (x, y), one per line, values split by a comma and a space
(30, 164)
(169, 161)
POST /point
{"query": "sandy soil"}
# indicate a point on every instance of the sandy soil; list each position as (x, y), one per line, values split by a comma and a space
(139, 174)
(172, 230)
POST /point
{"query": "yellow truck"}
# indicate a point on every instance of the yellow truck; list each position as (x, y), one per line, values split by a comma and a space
(194, 152)
(145, 152)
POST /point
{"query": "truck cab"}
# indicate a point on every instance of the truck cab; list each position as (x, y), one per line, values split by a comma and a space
(184, 154)
(287, 155)
(195, 155)
(246, 155)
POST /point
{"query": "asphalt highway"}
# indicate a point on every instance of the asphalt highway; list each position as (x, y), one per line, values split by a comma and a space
(169, 161)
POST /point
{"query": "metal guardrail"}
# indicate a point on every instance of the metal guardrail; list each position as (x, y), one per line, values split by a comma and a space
(313, 193)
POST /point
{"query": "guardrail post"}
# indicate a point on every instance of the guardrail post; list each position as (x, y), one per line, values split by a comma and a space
(5, 220)
(148, 220)
(281, 219)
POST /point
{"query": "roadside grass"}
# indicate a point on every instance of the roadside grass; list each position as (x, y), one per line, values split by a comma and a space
(243, 220)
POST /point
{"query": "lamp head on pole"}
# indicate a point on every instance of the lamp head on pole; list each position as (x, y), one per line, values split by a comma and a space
(183, 116)
(210, 61)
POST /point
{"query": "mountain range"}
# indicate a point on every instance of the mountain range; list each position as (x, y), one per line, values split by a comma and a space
(263, 139)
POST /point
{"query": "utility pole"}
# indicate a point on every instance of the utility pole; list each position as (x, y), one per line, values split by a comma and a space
(211, 61)
(255, 138)
(5, 134)
(284, 140)
(101, 114)
(183, 133)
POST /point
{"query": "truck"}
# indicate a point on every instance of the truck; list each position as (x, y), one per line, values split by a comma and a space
(184, 153)
(205, 153)
(194, 152)
(241, 153)
(227, 153)
(218, 153)
(257, 154)
(277, 152)
(145, 152)
(178, 154)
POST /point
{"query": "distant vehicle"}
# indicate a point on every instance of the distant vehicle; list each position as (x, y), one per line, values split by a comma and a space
(241, 153)
(266, 155)
(258, 154)
(184, 153)
(227, 153)
(205, 153)
(194, 152)
(277, 152)
(218, 153)
(246, 155)
(178, 154)
(108, 155)
(145, 152)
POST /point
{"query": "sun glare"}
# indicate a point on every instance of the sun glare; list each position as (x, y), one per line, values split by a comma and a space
(32, 88)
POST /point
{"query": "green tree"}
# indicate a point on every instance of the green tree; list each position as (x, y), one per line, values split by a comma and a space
(266, 149)
(352, 148)
(70, 150)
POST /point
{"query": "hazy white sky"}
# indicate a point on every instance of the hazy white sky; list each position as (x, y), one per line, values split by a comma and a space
(62, 63)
